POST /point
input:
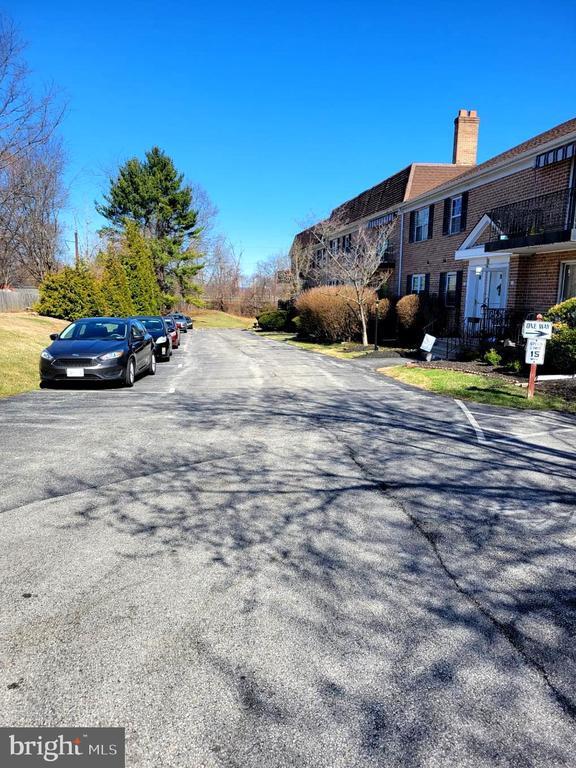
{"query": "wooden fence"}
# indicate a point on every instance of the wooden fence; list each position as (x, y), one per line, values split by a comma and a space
(18, 299)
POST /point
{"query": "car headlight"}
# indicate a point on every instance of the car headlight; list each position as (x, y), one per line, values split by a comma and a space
(161, 340)
(111, 355)
(46, 355)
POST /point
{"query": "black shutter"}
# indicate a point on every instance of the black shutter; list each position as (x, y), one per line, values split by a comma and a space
(427, 282)
(458, 299)
(408, 284)
(464, 211)
(430, 222)
(446, 216)
(442, 288)
(412, 227)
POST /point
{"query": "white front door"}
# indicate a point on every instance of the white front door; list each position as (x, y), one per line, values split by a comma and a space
(487, 287)
(496, 281)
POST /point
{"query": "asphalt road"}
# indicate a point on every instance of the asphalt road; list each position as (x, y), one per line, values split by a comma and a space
(263, 557)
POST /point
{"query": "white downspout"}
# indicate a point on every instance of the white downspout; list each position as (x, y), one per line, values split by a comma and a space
(400, 254)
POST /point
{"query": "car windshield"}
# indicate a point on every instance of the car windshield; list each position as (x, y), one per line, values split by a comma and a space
(154, 325)
(169, 323)
(94, 329)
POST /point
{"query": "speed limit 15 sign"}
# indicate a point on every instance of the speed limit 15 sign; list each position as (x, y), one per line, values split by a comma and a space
(535, 351)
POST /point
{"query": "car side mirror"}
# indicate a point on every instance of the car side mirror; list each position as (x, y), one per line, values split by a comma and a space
(53, 336)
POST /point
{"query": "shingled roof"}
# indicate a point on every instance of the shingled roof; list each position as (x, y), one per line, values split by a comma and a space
(411, 181)
(564, 129)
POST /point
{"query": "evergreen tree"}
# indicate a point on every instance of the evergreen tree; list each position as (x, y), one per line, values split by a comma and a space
(152, 194)
(71, 294)
(115, 286)
(136, 258)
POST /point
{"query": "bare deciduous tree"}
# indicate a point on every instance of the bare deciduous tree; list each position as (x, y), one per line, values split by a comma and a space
(355, 259)
(221, 276)
(30, 168)
(31, 196)
(26, 120)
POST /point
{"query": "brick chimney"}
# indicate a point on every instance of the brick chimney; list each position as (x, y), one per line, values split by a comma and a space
(465, 137)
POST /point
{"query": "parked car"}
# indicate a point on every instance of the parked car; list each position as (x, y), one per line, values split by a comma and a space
(180, 320)
(101, 349)
(189, 321)
(156, 327)
(173, 330)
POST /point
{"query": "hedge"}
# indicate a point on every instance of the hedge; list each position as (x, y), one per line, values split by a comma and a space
(330, 314)
(274, 320)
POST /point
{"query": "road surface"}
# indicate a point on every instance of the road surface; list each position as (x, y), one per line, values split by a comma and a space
(265, 558)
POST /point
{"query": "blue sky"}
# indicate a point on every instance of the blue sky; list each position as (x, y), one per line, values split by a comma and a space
(284, 112)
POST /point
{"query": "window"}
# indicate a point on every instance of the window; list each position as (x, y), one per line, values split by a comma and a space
(450, 289)
(454, 225)
(421, 224)
(418, 283)
(421, 220)
(455, 209)
(567, 281)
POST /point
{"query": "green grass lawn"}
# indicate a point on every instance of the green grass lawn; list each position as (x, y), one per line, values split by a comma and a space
(333, 350)
(211, 318)
(480, 389)
(22, 337)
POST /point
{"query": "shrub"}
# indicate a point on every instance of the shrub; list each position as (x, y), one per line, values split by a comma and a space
(492, 357)
(328, 314)
(413, 311)
(70, 294)
(561, 351)
(564, 313)
(274, 320)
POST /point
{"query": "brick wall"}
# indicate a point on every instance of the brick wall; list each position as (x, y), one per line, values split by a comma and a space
(437, 254)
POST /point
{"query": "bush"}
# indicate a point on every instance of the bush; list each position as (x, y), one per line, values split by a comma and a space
(328, 314)
(561, 351)
(275, 320)
(492, 357)
(413, 311)
(564, 313)
(70, 294)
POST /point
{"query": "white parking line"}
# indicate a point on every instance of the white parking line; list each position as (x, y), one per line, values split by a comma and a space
(477, 428)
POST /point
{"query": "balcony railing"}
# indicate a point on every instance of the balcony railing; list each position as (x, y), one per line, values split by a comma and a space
(536, 221)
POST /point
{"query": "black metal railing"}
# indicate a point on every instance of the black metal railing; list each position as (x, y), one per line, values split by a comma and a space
(535, 221)
(492, 327)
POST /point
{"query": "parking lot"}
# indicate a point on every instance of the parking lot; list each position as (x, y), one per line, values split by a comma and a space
(264, 557)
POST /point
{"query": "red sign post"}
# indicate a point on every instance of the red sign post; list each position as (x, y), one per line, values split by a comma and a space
(535, 332)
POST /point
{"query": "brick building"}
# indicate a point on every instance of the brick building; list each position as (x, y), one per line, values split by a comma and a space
(501, 237)
(494, 239)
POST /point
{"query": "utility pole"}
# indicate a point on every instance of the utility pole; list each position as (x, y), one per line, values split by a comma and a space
(76, 249)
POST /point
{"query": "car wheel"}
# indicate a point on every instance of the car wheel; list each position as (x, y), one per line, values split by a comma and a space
(152, 364)
(130, 373)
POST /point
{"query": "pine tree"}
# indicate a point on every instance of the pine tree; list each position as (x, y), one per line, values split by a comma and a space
(152, 194)
(115, 286)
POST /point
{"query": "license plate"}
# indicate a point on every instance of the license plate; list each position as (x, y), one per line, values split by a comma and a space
(75, 372)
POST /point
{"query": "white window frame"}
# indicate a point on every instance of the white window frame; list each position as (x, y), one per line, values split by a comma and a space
(423, 225)
(452, 229)
(418, 283)
(561, 278)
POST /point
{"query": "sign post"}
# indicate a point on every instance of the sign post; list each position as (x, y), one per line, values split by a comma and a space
(535, 332)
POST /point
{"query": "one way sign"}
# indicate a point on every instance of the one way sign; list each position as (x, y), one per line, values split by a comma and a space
(537, 329)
